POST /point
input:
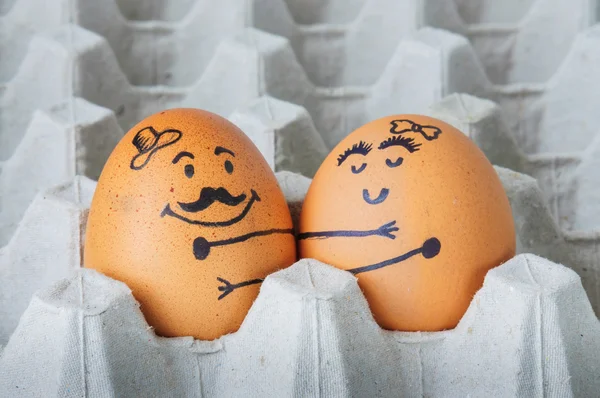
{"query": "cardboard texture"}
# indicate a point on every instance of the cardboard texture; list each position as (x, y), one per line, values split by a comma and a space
(518, 77)
(530, 331)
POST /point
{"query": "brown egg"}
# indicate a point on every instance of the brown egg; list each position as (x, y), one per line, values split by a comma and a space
(189, 215)
(415, 210)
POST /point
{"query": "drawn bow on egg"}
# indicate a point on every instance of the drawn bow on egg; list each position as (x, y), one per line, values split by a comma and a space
(402, 126)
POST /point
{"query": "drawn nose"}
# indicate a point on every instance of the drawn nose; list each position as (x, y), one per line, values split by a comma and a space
(383, 194)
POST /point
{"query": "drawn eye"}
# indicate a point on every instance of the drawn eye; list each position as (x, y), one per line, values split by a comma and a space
(228, 166)
(189, 170)
(361, 168)
(397, 163)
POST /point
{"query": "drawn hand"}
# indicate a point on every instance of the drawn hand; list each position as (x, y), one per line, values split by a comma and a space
(226, 288)
(386, 230)
(230, 287)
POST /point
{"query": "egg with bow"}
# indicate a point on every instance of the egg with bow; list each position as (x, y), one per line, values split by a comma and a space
(189, 215)
(414, 209)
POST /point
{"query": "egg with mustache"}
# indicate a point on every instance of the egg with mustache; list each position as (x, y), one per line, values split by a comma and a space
(189, 215)
(414, 209)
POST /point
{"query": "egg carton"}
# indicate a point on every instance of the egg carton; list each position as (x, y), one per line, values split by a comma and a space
(331, 39)
(320, 60)
(245, 66)
(423, 68)
(529, 331)
(278, 129)
(56, 219)
(516, 41)
(287, 72)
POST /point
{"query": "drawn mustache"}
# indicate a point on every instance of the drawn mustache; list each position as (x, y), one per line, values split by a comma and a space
(208, 196)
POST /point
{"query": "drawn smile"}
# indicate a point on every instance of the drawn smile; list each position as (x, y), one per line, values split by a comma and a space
(383, 194)
(207, 198)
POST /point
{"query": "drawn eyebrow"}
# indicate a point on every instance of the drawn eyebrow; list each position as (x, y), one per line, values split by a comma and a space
(181, 155)
(408, 143)
(219, 150)
(362, 148)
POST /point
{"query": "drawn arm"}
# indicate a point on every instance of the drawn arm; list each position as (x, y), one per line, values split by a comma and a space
(385, 231)
(431, 248)
(202, 246)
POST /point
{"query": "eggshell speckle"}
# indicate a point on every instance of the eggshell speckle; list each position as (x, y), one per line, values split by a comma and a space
(415, 210)
(189, 215)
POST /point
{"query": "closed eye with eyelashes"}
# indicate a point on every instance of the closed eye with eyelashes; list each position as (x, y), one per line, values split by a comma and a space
(362, 148)
(408, 143)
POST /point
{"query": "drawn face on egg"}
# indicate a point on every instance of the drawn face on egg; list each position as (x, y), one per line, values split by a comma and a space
(188, 213)
(413, 208)
(198, 212)
(193, 212)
